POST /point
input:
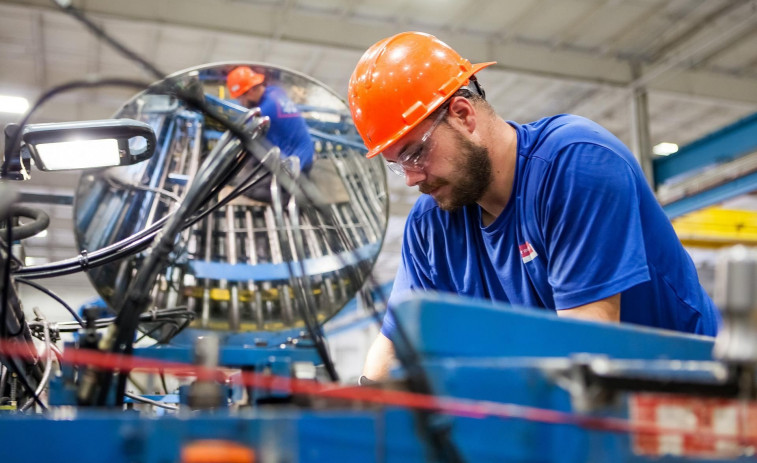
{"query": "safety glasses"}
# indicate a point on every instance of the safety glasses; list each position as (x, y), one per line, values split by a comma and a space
(413, 157)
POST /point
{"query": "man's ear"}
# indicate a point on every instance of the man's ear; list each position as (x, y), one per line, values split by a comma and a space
(462, 114)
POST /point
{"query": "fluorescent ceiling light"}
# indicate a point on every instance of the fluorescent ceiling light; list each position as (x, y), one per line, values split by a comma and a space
(664, 148)
(79, 154)
(13, 104)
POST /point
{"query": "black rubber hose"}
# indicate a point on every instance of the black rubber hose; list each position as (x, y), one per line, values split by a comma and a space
(40, 221)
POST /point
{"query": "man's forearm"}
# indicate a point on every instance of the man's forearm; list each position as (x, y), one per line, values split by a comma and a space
(380, 359)
(604, 310)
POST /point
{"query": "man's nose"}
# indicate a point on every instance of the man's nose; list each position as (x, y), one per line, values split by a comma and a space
(414, 177)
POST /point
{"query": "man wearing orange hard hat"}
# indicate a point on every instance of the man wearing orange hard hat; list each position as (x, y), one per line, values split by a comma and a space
(555, 214)
(288, 129)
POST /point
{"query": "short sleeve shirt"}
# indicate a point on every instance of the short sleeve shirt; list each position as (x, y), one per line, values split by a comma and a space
(581, 225)
(288, 129)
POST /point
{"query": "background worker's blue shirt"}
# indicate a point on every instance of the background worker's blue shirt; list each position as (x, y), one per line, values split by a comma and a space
(581, 225)
(288, 129)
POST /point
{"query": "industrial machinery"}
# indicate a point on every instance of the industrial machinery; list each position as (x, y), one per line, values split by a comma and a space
(264, 271)
(236, 268)
(234, 291)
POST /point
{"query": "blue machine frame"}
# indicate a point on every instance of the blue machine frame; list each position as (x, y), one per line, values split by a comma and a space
(499, 360)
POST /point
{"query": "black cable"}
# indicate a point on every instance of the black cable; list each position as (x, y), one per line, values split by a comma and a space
(15, 259)
(102, 35)
(116, 251)
(21, 325)
(226, 156)
(160, 315)
(52, 295)
(6, 275)
(6, 309)
(312, 325)
(160, 326)
(178, 330)
(130, 245)
(48, 366)
(162, 381)
(3, 377)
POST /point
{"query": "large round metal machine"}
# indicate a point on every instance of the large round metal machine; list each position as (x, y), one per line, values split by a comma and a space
(247, 266)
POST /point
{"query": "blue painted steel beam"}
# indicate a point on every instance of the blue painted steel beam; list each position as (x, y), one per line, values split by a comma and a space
(231, 356)
(725, 145)
(269, 271)
(716, 195)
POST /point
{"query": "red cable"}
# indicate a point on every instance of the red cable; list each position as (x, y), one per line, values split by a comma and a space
(448, 405)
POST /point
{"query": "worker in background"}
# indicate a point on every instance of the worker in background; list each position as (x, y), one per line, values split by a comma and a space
(554, 214)
(288, 129)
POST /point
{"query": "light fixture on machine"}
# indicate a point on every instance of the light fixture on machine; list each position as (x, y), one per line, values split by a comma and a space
(75, 146)
(88, 144)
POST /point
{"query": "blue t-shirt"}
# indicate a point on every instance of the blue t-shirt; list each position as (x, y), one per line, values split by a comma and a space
(288, 129)
(581, 225)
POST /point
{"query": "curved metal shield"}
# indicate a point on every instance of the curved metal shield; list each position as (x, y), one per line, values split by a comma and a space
(247, 266)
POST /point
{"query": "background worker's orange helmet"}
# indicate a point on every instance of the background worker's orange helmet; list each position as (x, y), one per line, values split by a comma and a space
(399, 81)
(241, 79)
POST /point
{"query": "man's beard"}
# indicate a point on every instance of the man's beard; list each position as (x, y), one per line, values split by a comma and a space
(472, 178)
(249, 104)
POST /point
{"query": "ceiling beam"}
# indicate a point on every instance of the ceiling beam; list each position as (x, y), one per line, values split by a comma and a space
(40, 58)
(667, 72)
(688, 30)
(691, 51)
(309, 28)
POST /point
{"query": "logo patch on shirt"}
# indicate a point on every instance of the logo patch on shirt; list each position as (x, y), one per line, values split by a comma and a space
(527, 252)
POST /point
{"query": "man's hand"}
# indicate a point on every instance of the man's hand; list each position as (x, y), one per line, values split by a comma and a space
(603, 310)
(379, 359)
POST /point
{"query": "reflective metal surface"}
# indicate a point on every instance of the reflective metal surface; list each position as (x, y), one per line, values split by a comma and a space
(247, 266)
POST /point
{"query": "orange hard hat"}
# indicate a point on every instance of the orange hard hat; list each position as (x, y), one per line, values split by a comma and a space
(241, 79)
(399, 81)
